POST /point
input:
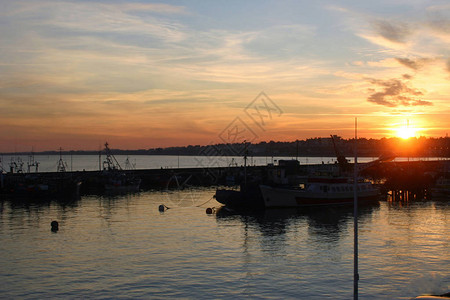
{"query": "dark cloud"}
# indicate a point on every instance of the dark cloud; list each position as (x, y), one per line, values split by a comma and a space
(395, 92)
(414, 64)
(394, 32)
(407, 76)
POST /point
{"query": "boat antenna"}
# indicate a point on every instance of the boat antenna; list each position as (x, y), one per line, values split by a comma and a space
(355, 218)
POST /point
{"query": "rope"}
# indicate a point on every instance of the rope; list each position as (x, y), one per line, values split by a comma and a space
(205, 202)
(164, 207)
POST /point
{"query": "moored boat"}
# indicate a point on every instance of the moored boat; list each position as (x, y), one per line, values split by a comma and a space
(317, 191)
(121, 182)
(247, 197)
(114, 178)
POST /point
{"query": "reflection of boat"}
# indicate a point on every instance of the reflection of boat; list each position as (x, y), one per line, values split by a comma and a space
(328, 223)
(441, 188)
(319, 191)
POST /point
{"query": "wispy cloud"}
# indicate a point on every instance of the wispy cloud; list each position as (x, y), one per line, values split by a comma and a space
(150, 7)
(414, 64)
(397, 32)
(101, 18)
(395, 92)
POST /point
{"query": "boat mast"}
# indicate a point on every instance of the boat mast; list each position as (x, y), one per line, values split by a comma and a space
(111, 162)
(245, 162)
(61, 165)
(99, 158)
(355, 218)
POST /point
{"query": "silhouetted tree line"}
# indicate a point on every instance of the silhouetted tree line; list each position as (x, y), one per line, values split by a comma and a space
(412, 147)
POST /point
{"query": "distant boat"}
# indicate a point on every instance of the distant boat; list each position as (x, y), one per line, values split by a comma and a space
(30, 185)
(24, 185)
(114, 178)
(319, 191)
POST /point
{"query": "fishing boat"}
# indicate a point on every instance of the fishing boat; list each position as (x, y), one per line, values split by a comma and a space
(121, 182)
(317, 191)
(248, 196)
(28, 185)
(114, 178)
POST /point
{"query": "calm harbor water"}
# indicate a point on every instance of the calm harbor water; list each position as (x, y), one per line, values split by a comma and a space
(123, 247)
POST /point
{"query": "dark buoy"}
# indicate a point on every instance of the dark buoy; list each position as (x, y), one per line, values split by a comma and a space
(55, 226)
(209, 210)
(162, 208)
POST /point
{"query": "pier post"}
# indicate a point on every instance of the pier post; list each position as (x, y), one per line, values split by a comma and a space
(355, 219)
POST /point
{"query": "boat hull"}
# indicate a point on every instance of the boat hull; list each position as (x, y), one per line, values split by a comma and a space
(245, 198)
(289, 197)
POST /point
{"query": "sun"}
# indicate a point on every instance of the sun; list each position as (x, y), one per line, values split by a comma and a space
(406, 132)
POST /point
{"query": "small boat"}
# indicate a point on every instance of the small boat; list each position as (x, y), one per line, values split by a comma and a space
(247, 197)
(318, 191)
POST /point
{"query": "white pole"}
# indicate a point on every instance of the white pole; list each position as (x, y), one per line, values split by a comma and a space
(355, 219)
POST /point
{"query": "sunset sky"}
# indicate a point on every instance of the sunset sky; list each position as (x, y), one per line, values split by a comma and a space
(144, 74)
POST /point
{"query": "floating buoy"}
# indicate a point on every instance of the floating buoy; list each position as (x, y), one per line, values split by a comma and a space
(209, 210)
(55, 225)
